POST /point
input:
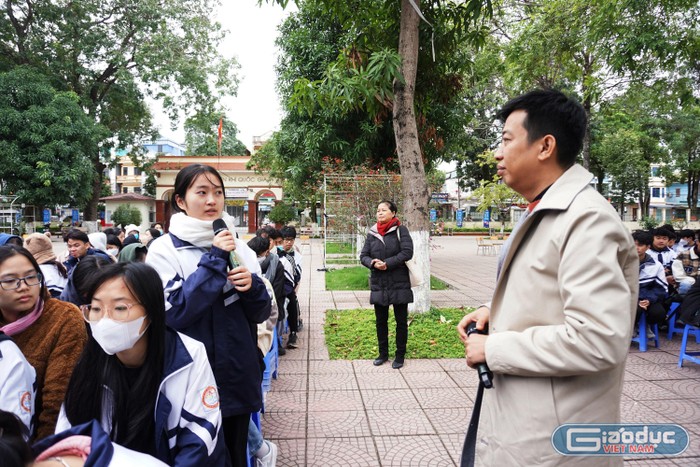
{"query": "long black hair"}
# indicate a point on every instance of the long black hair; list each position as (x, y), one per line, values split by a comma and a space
(14, 451)
(99, 378)
(186, 177)
(8, 251)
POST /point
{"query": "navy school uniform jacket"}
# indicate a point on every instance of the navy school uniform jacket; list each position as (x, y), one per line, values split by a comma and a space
(187, 412)
(201, 303)
(652, 280)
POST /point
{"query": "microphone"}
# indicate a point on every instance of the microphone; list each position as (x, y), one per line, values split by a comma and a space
(219, 226)
(485, 375)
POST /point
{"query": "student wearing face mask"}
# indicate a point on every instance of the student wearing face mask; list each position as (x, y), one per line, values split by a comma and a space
(151, 388)
(114, 245)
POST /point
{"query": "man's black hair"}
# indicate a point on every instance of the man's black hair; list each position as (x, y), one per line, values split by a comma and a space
(288, 232)
(273, 233)
(663, 232)
(259, 245)
(643, 237)
(75, 234)
(550, 112)
(686, 233)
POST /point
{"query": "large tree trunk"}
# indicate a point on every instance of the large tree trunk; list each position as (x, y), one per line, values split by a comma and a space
(693, 189)
(414, 184)
(90, 211)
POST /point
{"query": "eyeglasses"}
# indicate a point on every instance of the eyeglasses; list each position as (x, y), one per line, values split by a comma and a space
(13, 284)
(94, 313)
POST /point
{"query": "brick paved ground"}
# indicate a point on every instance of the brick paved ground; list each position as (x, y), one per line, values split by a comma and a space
(350, 413)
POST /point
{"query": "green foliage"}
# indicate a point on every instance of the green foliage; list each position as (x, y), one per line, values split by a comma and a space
(202, 133)
(46, 141)
(351, 334)
(338, 248)
(114, 54)
(282, 213)
(437, 284)
(336, 73)
(126, 214)
(649, 223)
(350, 278)
(357, 278)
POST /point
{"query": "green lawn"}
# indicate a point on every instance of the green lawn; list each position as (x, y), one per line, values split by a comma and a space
(351, 334)
(338, 248)
(356, 278)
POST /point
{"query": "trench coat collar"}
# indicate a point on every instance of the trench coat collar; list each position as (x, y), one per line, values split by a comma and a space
(563, 191)
(558, 197)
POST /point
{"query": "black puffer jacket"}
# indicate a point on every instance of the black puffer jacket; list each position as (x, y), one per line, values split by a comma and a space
(393, 285)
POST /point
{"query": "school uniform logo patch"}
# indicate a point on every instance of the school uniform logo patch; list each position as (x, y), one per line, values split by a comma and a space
(210, 397)
(25, 401)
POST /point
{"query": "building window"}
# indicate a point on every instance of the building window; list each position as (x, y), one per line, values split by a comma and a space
(655, 192)
(678, 191)
(137, 189)
(125, 189)
(655, 171)
(160, 148)
(137, 171)
(125, 170)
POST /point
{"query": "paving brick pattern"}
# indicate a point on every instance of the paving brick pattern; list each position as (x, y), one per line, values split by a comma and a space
(351, 413)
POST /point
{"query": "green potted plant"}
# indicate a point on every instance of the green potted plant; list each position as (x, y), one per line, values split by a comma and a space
(281, 213)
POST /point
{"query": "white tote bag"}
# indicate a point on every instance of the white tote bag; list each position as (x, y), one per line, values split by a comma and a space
(414, 269)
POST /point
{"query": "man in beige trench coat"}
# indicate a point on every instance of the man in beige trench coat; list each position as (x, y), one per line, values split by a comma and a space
(562, 312)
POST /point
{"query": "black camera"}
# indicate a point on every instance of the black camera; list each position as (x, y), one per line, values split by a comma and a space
(485, 375)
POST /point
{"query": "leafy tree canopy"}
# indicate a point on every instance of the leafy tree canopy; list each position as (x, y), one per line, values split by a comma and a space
(113, 54)
(202, 134)
(45, 140)
(126, 214)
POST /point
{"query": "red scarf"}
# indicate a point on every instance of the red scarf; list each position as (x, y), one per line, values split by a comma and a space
(383, 228)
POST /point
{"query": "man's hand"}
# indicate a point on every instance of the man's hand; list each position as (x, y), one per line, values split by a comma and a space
(475, 349)
(240, 278)
(644, 304)
(480, 316)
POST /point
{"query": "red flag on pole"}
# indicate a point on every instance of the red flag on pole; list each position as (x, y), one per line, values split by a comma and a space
(221, 127)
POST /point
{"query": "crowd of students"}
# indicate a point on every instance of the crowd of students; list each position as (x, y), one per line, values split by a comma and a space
(150, 348)
(669, 265)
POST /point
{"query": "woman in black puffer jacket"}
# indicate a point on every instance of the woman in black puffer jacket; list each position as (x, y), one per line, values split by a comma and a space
(387, 248)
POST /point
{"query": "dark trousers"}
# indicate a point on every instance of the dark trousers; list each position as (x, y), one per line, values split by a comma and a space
(293, 312)
(381, 314)
(236, 435)
(656, 313)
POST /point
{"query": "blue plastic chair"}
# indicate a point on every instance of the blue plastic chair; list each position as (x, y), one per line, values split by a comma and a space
(684, 354)
(642, 338)
(672, 315)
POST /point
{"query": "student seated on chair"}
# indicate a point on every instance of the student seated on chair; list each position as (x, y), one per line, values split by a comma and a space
(663, 254)
(686, 240)
(652, 282)
(686, 268)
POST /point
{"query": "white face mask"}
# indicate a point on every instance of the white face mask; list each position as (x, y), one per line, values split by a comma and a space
(116, 336)
(113, 251)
